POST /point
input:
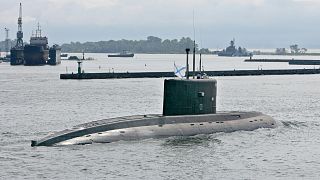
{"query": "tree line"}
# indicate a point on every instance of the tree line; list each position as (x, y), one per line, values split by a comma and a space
(152, 45)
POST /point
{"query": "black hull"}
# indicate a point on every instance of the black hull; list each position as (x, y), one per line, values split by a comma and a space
(35, 55)
(16, 57)
(233, 55)
(120, 55)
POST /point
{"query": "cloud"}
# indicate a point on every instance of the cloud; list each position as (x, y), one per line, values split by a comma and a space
(255, 22)
(86, 4)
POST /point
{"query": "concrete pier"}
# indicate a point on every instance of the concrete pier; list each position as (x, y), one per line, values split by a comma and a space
(267, 60)
(171, 74)
(304, 62)
(290, 61)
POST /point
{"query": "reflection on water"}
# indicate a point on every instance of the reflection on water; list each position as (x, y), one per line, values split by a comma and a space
(190, 140)
(294, 124)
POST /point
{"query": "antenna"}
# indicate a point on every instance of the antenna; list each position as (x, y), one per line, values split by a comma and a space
(194, 30)
(200, 65)
(187, 63)
(194, 48)
(200, 48)
(38, 30)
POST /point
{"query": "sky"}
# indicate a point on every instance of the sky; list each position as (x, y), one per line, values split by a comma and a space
(253, 23)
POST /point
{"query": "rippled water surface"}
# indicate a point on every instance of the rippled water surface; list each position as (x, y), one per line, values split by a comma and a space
(35, 102)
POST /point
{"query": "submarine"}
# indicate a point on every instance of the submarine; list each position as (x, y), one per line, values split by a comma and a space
(189, 108)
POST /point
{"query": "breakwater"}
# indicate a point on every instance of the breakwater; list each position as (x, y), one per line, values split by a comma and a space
(171, 74)
(290, 61)
(267, 60)
(304, 62)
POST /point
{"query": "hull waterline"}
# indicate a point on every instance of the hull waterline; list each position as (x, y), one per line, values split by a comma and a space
(157, 126)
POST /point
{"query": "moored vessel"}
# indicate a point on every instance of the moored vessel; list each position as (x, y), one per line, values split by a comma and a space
(37, 52)
(233, 51)
(122, 54)
(64, 55)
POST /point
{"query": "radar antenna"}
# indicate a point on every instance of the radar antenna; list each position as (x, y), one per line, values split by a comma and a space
(194, 49)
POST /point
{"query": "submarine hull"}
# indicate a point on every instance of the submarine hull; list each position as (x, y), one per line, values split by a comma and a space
(156, 126)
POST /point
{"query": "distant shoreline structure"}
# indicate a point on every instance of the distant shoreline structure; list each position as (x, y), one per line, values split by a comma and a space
(267, 53)
(155, 45)
(151, 45)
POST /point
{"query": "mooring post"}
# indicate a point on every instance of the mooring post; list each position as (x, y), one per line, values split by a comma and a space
(79, 67)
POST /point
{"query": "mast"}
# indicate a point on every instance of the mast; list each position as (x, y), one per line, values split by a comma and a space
(187, 63)
(38, 31)
(200, 65)
(194, 59)
(194, 49)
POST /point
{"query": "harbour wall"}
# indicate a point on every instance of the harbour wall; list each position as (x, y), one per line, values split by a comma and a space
(171, 74)
(290, 61)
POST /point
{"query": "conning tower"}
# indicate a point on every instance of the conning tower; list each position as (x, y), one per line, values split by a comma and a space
(189, 96)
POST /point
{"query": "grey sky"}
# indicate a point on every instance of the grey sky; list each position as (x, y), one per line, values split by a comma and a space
(254, 23)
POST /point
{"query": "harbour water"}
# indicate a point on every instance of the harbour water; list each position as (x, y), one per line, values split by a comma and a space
(35, 102)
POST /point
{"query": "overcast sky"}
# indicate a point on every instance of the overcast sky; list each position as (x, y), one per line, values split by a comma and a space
(253, 23)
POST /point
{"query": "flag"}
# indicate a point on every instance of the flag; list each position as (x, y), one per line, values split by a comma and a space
(179, 71)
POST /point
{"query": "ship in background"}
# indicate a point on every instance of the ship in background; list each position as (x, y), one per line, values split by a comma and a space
(233, 51)
(122, 54)
(37, 52)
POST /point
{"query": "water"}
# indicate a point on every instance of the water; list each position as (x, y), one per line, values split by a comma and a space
(35, 102)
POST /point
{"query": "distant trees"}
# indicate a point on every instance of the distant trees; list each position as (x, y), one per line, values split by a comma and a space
(151, 45)
(303, 50)
(296, 50)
